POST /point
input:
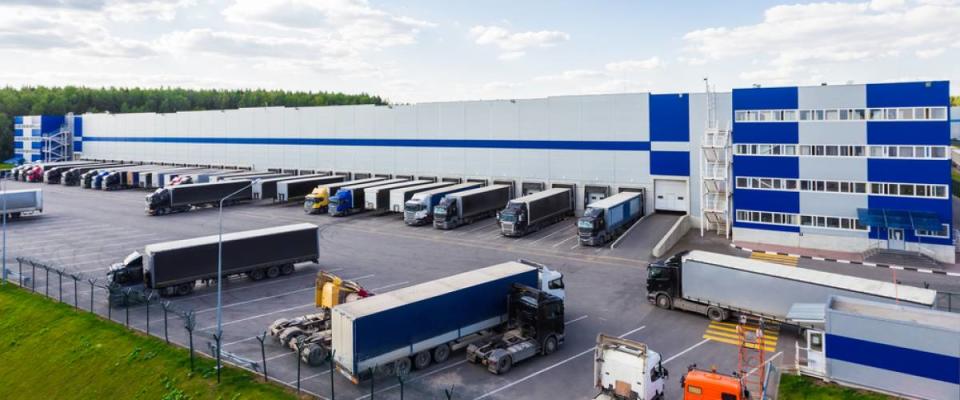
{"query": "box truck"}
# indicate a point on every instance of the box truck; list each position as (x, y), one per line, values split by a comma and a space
(382, 331)
(173, 268)
(352, 199)
(21, 202)
(399, 197)
(377, 198)
(296, 189)
(720, 286)
(627, 369)
(184, 197)
(606, 219)
(533, 212)
(318, 201)
(419, 209)
(462, 208)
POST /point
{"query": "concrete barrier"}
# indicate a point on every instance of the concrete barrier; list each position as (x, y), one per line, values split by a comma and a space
(676, 232)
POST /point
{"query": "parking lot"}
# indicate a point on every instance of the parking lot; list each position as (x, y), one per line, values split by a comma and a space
(85, 231)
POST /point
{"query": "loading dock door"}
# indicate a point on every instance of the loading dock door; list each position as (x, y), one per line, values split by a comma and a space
(593, 193)
(670, 195)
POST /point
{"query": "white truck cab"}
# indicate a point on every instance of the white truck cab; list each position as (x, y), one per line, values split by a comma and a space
(550, 281)
(625, 369)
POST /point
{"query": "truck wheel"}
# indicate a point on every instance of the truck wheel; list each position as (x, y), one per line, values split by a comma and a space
(664, 302)
(257, 274)
(504, 365)
(286, 269)
(314, 355)
(441, 353)
(273, 272)
(421, 360)
(184, 289)
(402, 366)
(289, 335)
(716, 314)
(549, 345)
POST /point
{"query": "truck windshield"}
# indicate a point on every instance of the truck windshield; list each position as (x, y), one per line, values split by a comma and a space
(585, 224)
(505, 217)
(440, 211)
(656, 273)
(413, 207)
(131, 258)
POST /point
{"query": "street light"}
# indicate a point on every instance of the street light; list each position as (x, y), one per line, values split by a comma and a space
(220, 271)
(3, 183)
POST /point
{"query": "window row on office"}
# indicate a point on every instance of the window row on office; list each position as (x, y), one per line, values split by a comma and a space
(849, 187)
(790, 219)
(844, 114)
(839, 150)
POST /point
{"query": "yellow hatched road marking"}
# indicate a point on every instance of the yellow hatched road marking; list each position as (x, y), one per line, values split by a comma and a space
(766, 333)
(737, 343)
(775, 258)
(726, 332)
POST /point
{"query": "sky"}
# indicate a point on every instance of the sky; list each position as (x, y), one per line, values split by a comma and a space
(420, 50)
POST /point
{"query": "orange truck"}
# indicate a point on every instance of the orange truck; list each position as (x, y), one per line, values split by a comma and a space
(699, 384)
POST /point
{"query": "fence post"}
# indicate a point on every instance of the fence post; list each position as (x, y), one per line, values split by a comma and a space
(91, 295)
(165, 305)
(297, 360)
(76, 302)
(333, 353)
(449, 392)
(400, 379)
(373, 380)
(33, 277)
(20, 270)
(189, 323)
(60, 285)
(149, 299)
(263, 355)
(46, 281)
(217, 338)
(126, 306)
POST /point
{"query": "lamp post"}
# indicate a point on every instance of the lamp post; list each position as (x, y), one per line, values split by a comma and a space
(3, 182)
(220, 269)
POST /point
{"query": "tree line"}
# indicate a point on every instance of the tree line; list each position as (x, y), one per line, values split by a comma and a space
(41, 100)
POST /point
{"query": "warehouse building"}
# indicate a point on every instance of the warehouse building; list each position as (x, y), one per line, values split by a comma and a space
(853, 168)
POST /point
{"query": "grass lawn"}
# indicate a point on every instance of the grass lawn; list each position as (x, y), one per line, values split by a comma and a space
(794, 387)
(50, 351)
(5, 166)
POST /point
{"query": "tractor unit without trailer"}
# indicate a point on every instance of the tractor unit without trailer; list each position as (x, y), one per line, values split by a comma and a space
(376, 332)
(53, 174)
(184, 197)
(606, 219)
(22, 202)
(533, 212)
(399, 197)
(173, 268)
(310, 335)
(302, 188)
(720, 286)
(73, 176)
(267, 188)
(352, 199)
(377, 199)
(419, 209)
(465, 207)
(624, 369)
(318, 201)
(534, 326)
(35, 172)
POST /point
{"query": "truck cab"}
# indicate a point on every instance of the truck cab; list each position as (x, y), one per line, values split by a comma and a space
(317, 201)
(590, 226)
(624, 369)
(663, 280)
(127, 273)
(416, 211)
(698, 384)
(340, 203)
(445, 212)
(156, 200)
(513, 219)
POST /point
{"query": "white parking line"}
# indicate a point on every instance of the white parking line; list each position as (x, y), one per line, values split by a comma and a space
(281, 355)
(205, 310)
(239, 341)
(564, 241)
(436, 371)
(575, 320)
(258, 285)
(568, 359)
(685, 351)
(475, 228)
(294, 382)
(389, 286)
(575, 246)
(259, 316)
(548, 236)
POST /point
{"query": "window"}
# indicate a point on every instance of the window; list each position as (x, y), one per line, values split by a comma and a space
(904, 113)
(906, 151)
(790, 150)
(859, 115)
(741, 182)
(804, 115)
(831, 150)
(877, 151)
(832, 115)
(805, 150)
(876, 114)
(790, 184)
(938, 152)
(859, 187)
(938, 113)
(806, 220)
(728, 396)
(790, 115)
(944, 232)
(890, 114)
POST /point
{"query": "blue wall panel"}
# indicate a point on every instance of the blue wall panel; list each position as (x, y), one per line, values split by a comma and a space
(942, 207)
(909, 171)
(765, 98)
(908, 94)
(767, 227)
(766, 200)
(915, 132)
(670, 163)
(50, 123)
(18, 119)
(18, 145)
(766, 166)
(766, 132)
(77, 126)
(670, 117)
(924, 364)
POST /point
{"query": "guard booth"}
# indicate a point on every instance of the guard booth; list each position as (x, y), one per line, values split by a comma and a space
(895, 230)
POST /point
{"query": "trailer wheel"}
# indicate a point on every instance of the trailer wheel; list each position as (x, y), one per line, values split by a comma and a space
(273, 272)
(286, 269)
(184, 289)
(314, 355)
(441, 353)
(716, 314)
(664, 302)
(549, 345)
(257, 274)
(402, 366)
(421, 360)
(289, 335)
(504, 364)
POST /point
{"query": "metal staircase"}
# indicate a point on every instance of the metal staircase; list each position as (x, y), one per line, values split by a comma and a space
(58, 145)
(716, 158)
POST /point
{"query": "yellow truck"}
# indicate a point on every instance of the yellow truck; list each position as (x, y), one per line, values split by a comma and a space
(318, 200)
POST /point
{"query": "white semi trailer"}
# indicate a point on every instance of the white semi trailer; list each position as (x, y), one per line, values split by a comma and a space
(21, 202)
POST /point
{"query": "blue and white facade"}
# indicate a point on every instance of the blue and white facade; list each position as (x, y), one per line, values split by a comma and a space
(810, 161)
(39, 137)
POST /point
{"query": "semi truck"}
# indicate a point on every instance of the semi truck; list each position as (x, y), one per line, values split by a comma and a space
(72, 176)
(310, 335)
(299, 188)
(465, 207)
(399, 197)
(720, 286)
(21, 202)
(535, 211)
(606, 219)
(318, 201)
(625, 369)
(378, 331)
(700, 384)
(267, 188)
(377, 198)
(54, 174)
(534, 326)
(184, 197)
(352, 199)
(34, 173)
(419, 209)
(173, 268)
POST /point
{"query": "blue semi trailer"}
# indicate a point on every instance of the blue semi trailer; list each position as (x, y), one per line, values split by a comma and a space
(350, 199)
(422, 324)
(605, 219)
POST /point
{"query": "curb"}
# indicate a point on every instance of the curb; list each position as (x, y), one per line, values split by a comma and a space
(868, 264)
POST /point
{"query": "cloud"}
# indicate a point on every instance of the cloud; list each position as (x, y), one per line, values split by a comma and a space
(353, 21)
(634, 65)
(571, 75)
(139, 10)
(929, 53)
(66, 31)
(104, 79)
(793, 37)
(514, 44)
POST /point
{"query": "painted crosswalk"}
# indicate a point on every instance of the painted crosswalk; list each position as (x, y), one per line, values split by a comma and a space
(726, 332)
(775, 258)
